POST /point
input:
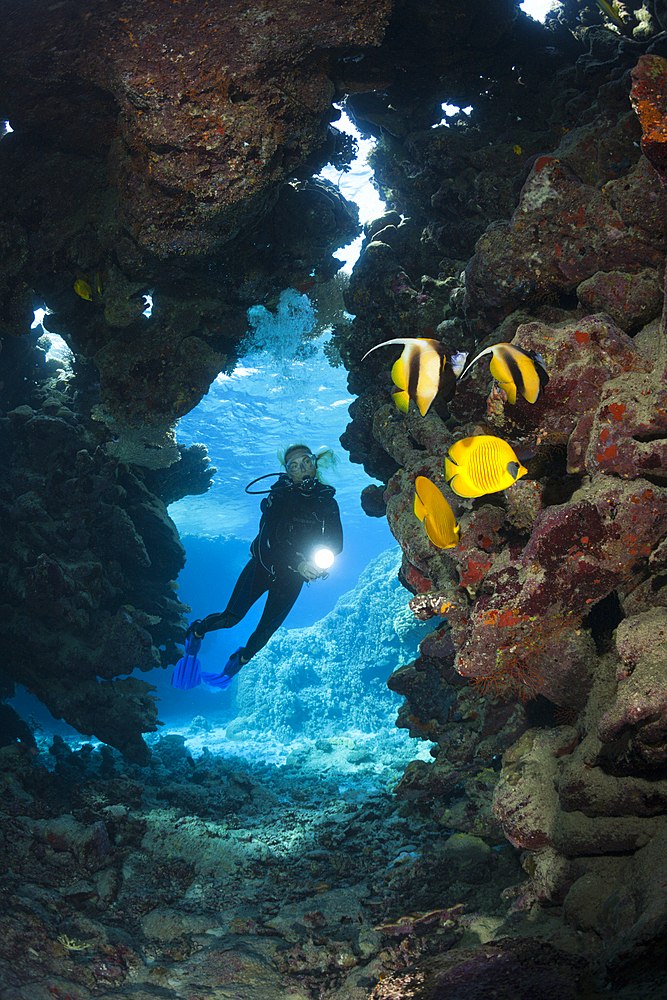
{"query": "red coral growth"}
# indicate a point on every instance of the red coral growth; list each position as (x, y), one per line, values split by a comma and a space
(649, 100)
(521, 661)
(416, 580)
(474, 571)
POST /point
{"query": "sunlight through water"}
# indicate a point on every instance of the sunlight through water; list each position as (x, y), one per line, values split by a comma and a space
(356, 185)
(537, 9)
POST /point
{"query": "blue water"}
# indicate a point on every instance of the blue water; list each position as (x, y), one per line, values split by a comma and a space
(283, 390)
(275, 396)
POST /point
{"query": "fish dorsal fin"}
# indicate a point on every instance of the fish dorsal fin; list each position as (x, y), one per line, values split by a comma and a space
(487, 350)
(402, 340)
(418, 506)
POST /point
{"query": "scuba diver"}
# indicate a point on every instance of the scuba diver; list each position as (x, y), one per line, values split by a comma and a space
(299, 535)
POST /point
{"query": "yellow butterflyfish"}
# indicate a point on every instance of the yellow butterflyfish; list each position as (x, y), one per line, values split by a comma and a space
(612, 14)
(483, 464)
(83, 289)
(437, 516)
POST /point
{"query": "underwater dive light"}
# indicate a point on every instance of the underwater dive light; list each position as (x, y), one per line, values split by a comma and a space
(323, 558)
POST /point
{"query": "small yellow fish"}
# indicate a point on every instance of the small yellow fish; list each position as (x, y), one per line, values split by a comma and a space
(431, 507)
(483, 464)
(612, 14)
(514, 369)
(517, 150)
(422, 371)
(83, 289)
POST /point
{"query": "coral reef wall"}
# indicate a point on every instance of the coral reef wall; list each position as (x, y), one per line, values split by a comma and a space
(150, 151)
(89, 556)
(536, 218)
(315, 679)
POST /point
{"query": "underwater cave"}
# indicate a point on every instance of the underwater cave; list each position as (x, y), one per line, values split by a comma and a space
(430, 237)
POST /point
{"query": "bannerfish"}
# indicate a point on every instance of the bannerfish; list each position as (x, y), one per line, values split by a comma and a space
(514, 369)
(483, 464)
(431, 507)
(422, 371)
(83, 289)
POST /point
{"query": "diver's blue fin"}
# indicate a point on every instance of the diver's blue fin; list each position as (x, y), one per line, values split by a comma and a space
(220, 681)
(187, 672)
(223, 680)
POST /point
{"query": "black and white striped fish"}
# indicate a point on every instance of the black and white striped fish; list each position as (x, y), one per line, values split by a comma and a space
(422, 371)
(515, 369)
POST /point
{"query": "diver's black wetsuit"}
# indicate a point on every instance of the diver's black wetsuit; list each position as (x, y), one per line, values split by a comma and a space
(296, 519)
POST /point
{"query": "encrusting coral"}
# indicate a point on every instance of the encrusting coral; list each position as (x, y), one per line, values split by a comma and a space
(550, 651)
(89, 559)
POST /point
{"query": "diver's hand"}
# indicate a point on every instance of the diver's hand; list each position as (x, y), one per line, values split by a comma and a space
(308, 570)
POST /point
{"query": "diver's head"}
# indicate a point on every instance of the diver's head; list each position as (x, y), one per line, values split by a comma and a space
(300, 463)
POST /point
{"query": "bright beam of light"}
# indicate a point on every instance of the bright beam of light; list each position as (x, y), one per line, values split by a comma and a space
(449, 110)
(58, 347)
(323, 558)
(537, 9)
(356, 186)
(38, 320)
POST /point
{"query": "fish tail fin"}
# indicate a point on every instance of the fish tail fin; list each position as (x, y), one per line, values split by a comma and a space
(536, 380)
(451, 469)
(532, 375)
(447, 387)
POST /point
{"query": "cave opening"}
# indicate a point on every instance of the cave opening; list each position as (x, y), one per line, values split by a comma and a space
(288, 385)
